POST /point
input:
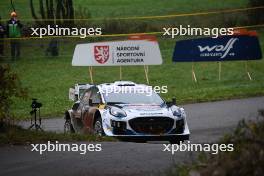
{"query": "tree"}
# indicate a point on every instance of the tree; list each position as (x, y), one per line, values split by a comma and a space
(256, 16)
(62, 13)
(52, 12)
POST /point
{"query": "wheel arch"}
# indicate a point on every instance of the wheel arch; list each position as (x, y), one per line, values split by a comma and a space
(67, 115)
(97, 115)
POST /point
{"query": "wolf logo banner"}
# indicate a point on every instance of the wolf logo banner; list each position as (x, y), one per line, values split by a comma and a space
(101, 54)
(221, 50)
(224, 48)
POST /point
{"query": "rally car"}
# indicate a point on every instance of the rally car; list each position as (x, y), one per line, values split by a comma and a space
(125, 109)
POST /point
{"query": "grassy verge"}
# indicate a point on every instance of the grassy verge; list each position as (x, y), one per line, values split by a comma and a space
(17, 135)
(125, 8)
(246, 159)
(100, 13)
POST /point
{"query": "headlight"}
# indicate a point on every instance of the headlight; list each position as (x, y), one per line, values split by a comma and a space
(117, 112)
(179, 112)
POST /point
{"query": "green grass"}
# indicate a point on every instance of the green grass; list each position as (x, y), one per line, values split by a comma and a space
(125, 8)
(17, 135)
(102, 11)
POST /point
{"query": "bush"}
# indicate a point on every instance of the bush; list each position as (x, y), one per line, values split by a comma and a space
(10, 87)
(246, 159)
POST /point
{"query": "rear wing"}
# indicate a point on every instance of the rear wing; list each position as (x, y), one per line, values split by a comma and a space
(72, 94)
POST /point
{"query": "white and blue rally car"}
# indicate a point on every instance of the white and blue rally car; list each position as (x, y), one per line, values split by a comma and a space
(125, 110)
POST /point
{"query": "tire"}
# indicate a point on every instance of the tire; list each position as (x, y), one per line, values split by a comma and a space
(98, 127)
(68, 128)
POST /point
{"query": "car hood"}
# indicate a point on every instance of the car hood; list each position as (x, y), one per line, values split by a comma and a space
(140, 110)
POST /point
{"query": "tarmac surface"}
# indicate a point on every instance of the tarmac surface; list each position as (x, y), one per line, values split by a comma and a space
(207, 123)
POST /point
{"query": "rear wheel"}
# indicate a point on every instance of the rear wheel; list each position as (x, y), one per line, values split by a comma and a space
(98, 127)
(68, 128)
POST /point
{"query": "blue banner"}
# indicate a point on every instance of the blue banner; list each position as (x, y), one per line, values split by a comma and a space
(224, 48)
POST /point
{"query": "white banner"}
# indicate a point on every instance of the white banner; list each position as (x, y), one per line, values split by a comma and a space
(138, 50)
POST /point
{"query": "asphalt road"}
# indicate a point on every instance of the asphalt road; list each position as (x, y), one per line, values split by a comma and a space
(207, 122)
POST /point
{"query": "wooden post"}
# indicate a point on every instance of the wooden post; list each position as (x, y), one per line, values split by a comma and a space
(219, 70)
(247, 72)
(120, 72)
(91, 74)
(146, 73)
(193, 74)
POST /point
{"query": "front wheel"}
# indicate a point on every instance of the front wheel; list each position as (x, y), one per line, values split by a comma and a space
(98, 127)
(174, 141)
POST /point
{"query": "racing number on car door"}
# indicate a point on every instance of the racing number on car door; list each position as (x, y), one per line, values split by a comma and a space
(85, 104)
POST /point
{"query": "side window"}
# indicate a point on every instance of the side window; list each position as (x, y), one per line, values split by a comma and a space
(86, 97)
(95, 96)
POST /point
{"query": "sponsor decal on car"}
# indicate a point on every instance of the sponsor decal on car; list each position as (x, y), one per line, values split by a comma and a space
(101, 106)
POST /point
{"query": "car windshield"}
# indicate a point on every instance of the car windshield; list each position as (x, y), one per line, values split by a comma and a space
(133, 98)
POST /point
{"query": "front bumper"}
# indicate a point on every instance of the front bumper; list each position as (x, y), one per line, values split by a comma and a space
(181, 137)
(178, 130)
